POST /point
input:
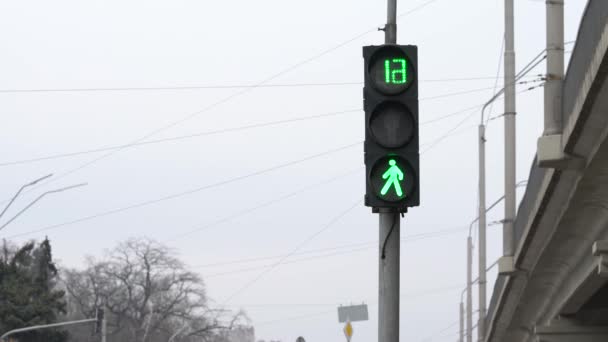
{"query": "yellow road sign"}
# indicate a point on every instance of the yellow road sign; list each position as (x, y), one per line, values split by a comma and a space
(348, 330)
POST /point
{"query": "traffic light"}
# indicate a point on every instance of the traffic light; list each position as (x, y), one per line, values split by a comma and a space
(391, 127)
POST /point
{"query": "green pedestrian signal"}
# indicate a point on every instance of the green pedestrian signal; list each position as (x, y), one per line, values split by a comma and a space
(393, 177)
(391, 149)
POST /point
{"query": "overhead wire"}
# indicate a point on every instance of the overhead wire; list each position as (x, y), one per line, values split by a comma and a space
(217, 86)
(185, 193)
(222, 131)
(303, 243)
(413, 294)
(408, 238)
(146, 203)
(367, 246)
(502, 49)
(181, 137)
(328, 255)
(231, 97)
(325, 312)
(247, 211)
(449, 133)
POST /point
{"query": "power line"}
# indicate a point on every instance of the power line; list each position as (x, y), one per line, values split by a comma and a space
(322, 313)
(170, 197)
(146, 203)
(295, 250)
(430, 338)
(326, 255)
(441, 118)
(408, 238)
(447, 134)
(502, 49)
(232, 96)
(179, 138)
(262, 205)
(185, 193)
(416, 294)
(218, 86)
(220, 131)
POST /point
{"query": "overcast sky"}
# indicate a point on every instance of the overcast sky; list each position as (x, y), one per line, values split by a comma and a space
(108, 44)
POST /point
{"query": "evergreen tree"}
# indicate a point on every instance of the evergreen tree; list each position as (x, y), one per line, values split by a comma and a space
(28, 294)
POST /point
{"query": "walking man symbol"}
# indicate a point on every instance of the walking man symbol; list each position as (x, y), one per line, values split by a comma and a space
(393, 177)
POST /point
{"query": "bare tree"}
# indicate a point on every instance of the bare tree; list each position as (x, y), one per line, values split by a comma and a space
(149, 293)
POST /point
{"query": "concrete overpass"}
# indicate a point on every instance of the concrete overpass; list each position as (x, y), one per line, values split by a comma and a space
(558, 289)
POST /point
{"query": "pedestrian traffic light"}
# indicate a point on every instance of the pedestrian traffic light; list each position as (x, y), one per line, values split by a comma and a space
(391, 126)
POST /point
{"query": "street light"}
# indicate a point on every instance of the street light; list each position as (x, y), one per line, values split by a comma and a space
(37, 199)
(20, 190)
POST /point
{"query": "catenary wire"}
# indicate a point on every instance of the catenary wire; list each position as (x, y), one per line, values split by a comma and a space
(235, 86)
(184, 193)
(449, 133)
(303, 243)
(173, 196)
(502, 49)
(179, 138)
(326, 255)
(230, 97)
(411, 237)
(146, 203)
(413, 294)
(222, 131)
(323, 313)
(262, 205)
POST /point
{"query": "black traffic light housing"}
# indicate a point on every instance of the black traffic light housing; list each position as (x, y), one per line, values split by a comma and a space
(391, 127)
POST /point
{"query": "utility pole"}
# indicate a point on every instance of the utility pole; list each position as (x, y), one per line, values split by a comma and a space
(550, 150)
(461, 331)
(555, 68)
(481, 331)
(390, 238)
(510, 133)
(388, 307)
(469, 289)
(104, 327)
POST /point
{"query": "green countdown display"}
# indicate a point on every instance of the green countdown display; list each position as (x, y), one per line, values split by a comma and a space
(390, 71)
(395, 71)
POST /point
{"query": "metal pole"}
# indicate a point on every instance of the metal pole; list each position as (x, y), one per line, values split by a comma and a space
(482, 234)
(388, 303)
(20, 190)
(104, 326)
(461, 339)
(555, 67)
(390, 30)
(390, 237)
(469, 289)
(38, 199)
(510, 146)
(46, 326)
